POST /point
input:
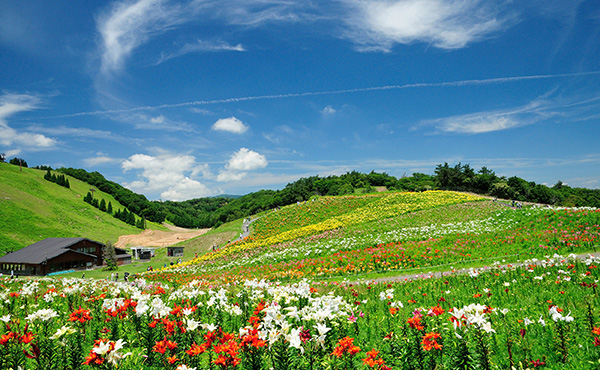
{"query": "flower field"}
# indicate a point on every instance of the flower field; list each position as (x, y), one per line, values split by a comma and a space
(385, 237)
(542, 315)
(324, 285)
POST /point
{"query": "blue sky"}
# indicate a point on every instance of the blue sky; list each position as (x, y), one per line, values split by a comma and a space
(186, 99)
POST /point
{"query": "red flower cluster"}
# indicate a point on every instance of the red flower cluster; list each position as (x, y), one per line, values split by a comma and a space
(429, 341)
(162, 345)
(26, 338)
(251, 340)
(81, 315)
(228, 351)
(196, 349)
(121, 312)
(345, 345)
(374, 362)
(415, 323)
(435, 311)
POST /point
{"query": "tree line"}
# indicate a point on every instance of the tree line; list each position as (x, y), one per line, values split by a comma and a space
(214, 211)
(123, 215)
(485, 181)
(59, 180)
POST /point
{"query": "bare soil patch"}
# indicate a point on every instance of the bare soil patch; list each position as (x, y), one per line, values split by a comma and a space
(159, 238)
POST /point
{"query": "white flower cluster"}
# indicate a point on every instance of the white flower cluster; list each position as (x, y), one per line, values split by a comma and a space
(42, 315)
(472, 314)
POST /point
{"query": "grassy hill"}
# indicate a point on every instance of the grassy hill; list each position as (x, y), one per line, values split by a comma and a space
(388, 234)
(337, 282)
(32, 209)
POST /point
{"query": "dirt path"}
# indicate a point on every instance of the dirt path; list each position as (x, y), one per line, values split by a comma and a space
(440, 274)
(159, 238)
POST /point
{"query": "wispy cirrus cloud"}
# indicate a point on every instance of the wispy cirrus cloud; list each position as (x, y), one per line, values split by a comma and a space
(201, 47)
(128, 25)
(535, 111)
(15, 140)
(100, 160)
(543, 108)
(445, 24)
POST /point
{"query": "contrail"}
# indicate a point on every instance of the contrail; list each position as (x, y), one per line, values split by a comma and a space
(332, 92)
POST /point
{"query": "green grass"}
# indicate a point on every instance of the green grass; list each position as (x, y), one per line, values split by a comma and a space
(33, 209)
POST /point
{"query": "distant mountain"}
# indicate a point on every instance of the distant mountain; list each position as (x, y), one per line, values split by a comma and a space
(230, 196)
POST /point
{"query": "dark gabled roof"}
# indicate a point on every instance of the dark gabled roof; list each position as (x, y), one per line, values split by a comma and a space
(46, 249)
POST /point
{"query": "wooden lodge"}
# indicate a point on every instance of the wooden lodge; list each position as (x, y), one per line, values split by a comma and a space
(56, 255)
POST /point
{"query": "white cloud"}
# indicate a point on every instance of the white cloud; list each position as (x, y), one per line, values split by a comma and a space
(167, 174)
(477, 123)
(246, 160)
(225, 176)
(99, 160)
(201, 46)
(328, 110)
(446, 24)
(144, 122)
(230, 124)
(186, 189)
(239, 163)
(159, 119)
(11, 104)
(535, 111)
(129, 25)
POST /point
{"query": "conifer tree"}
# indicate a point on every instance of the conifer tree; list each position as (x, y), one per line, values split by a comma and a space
(110, 256)
(109, 208)
(102, 206)
(131, 219)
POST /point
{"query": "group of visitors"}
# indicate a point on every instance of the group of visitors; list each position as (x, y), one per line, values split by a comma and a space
(114, 276)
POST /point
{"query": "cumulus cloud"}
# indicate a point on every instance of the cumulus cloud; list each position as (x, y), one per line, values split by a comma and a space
(246, 160)
(186, 189)
(166, 174)
(226, 176)
(230, 124)
(11, 104)
(446, 24)
(240, 163)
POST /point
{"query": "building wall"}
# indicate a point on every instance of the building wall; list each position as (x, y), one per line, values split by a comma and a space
(91, 247)
(67, 261)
